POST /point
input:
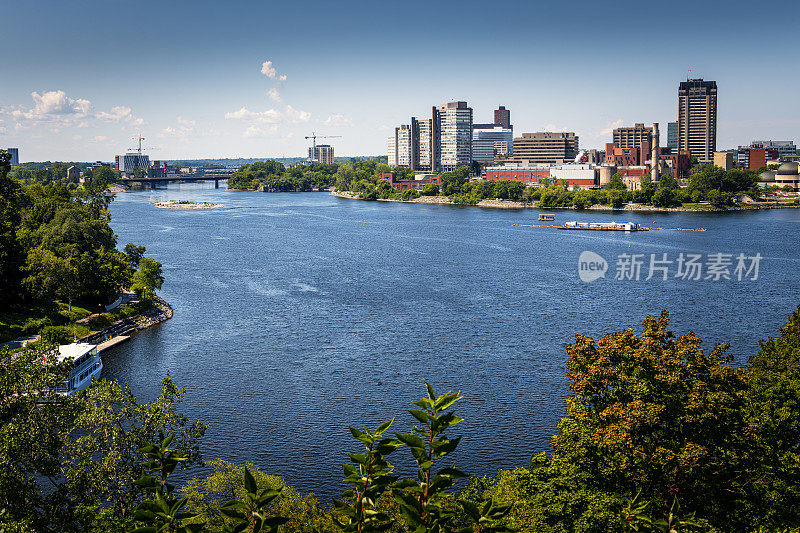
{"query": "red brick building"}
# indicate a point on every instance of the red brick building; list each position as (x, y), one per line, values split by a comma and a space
(525, 175)
(404, 185)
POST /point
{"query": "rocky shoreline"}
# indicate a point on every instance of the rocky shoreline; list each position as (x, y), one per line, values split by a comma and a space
(513, 204)
(122, 329)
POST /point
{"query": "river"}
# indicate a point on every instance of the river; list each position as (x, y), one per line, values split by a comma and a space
(299, 314)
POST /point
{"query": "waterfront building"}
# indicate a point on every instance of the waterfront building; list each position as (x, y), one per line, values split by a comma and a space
(502, 117)
(453, 124)
(131, 161)
(73, 173)
(788, 174)
(632, 137)
(673, 136)
(697, 118)
(322, 153)
(546, 147)
(573, 174)
(400, 147)
(490, 141)
(423, 148)
(14, 156)
(418, 183)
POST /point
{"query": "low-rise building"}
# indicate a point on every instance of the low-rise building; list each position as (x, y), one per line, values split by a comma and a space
(417, 184)
(546, 147)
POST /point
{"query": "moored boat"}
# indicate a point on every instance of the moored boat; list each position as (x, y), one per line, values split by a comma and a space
(603, 226)
(86, 363)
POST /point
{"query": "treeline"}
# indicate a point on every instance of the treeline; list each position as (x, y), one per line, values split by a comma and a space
(707, 183)
(48, 172)
(658, 435)
(56, 245)
(274, 176)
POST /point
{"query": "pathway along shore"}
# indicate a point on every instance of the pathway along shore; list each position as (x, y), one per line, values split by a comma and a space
(121, 330)
(513, 204)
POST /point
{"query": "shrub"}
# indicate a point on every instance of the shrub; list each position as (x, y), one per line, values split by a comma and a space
(56, 335)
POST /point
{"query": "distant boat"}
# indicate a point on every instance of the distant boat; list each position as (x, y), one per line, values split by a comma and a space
(547, 217)
(86, 363)
(603, 226)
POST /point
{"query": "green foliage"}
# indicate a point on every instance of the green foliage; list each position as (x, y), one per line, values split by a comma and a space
(773, 406)
(431, 189)
(370, 476)
(55, 335)
(147, 279)
(719, 199)
(163, 511)
(302, 513)
(616, 182)
(423, 502)
(134, 253)
(273, 176)
(251, 512)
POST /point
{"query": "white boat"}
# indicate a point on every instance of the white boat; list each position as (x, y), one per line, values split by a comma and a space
(86, 363)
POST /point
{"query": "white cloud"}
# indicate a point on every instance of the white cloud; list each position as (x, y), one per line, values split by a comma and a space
(98, 139)
(338, 120)
(53, 105)
(3, 130)
(274, 95)
(184, 129)
(120, 113)
(268, 70)
(254, 131)
(77, 137)
(270, 116)
(295, 115)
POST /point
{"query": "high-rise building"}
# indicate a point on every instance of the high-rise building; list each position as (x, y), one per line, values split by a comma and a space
(131, 161)
(697, 118)
(14, 156)
(422, 146)
(502, 117)
(490, 141)
(546, 147)
(453, 129)
(322, 153)
(632, 137)
(672, 136)
(401, 147)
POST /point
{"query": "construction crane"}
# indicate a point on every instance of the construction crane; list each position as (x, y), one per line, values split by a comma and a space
(314, 138)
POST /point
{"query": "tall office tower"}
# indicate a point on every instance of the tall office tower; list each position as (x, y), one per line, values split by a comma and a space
(453, 128)
(490, 141)
(627, 137)
(400, 147)
(546, 147)
(672, 136)
(697, 118)
(14, 156)
(422, 144)
(502, 117)
(322, 153)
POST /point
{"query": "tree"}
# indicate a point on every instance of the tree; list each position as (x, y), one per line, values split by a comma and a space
(656, 413)
(134, 253)
(616, 182)
(11, 250)
(773, 406)
(30, 436)
(147, 279)
(103, 452)
(719, 199)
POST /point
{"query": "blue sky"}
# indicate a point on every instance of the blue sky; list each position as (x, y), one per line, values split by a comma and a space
(82, 77)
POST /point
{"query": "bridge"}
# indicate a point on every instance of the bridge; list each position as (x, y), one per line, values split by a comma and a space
(152, 183)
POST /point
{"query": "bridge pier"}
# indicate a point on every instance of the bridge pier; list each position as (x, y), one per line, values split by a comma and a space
(216, 184)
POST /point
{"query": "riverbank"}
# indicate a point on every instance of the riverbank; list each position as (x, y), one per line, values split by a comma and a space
(121, 330)
(514, 204)
(183, 204)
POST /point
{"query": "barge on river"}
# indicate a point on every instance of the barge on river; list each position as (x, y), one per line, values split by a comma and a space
(603, 226)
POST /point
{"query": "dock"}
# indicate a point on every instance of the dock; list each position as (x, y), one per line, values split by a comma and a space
(113, 341)
(606, 228)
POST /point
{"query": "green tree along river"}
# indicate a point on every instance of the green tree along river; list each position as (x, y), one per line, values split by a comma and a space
(300, 314)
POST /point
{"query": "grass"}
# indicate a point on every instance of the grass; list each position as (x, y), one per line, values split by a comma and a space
(22, 322)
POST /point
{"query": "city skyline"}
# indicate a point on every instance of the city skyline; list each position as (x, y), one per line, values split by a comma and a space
(242, 83)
